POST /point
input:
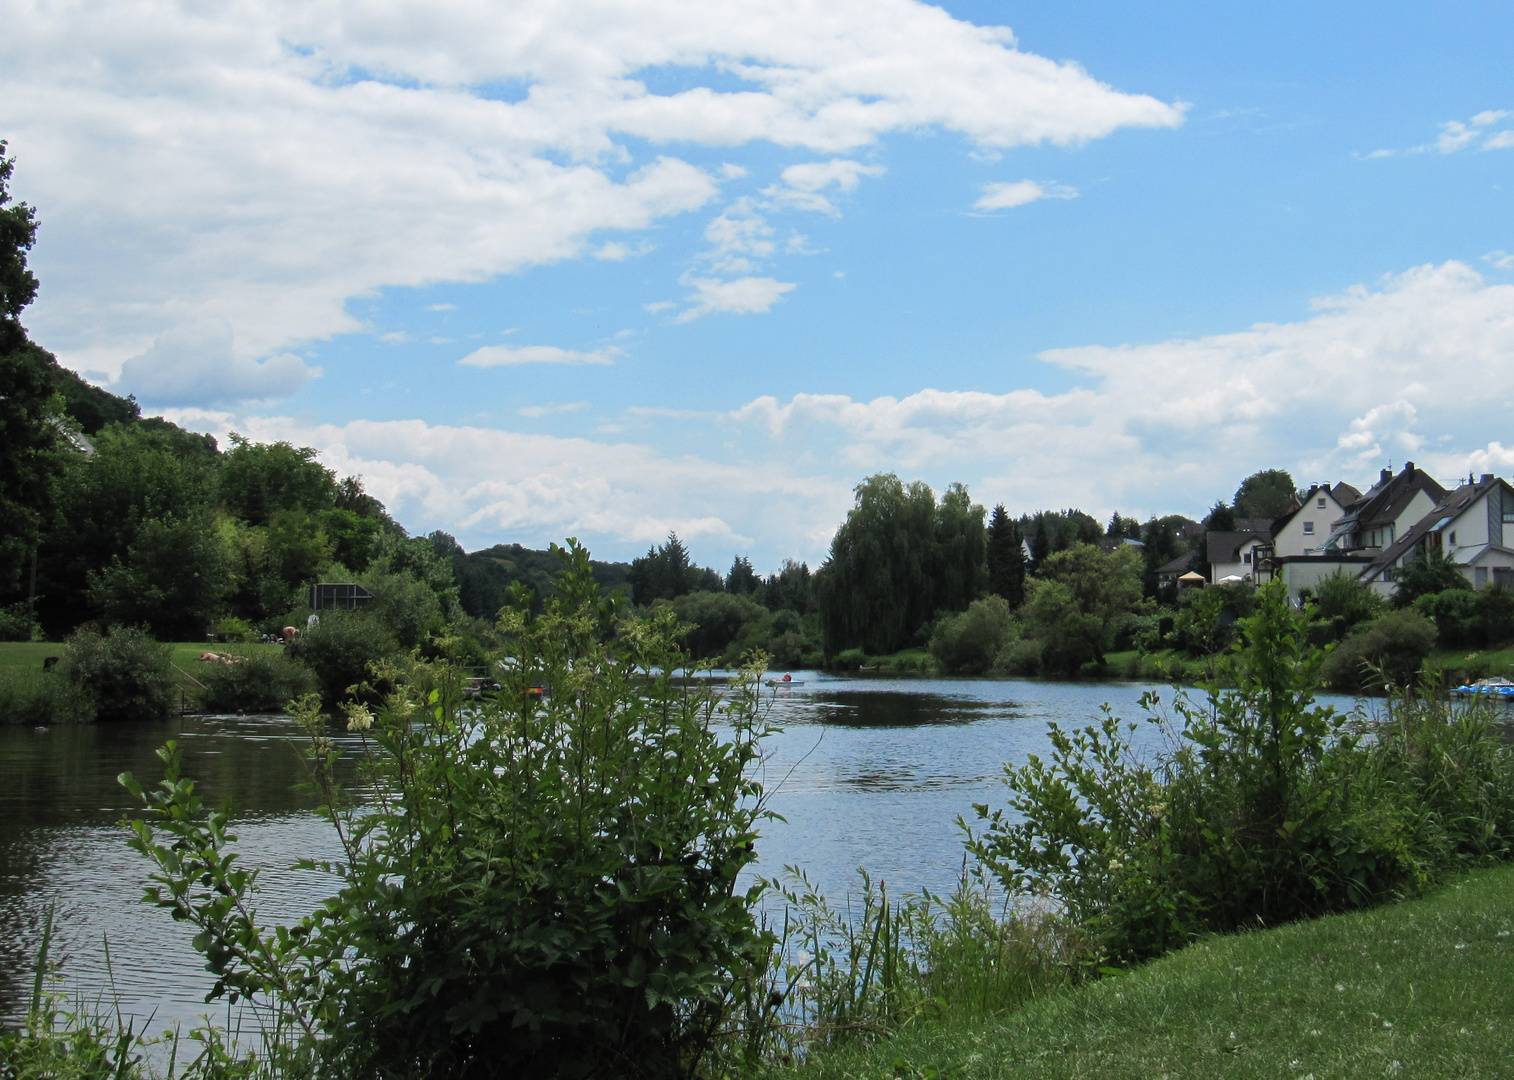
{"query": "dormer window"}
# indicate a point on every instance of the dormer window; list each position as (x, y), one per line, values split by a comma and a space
(1308, 528)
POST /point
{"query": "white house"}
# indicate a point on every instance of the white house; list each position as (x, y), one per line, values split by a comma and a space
(1304, 529)
(1473, 526)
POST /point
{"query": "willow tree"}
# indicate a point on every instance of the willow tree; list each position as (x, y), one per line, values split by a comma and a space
(899, 559)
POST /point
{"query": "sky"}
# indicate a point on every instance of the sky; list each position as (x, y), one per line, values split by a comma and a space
(548, 268)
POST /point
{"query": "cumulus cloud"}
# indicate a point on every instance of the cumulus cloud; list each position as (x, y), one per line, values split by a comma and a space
(1389, 371)
(266, 161)
(802, 184)
(510, 355)
(196, 363)
(1460, 135)
(742, 296)
(1003, 196)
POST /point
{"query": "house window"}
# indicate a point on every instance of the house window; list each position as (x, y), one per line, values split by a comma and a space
(1308, 528)
(1319, 504)
(1246, 558)
(1453, 539)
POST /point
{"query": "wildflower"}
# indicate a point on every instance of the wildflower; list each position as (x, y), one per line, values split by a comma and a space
(358, 717)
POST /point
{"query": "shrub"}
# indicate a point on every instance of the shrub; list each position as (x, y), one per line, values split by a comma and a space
(406, 606)
(718, 620)
(18, 624)
(124, 672)
(849, 660)
(234, 630)
(1208, 619)
(340, 649)
(1253, 819)
(1019, 659)
(547, 887)
(1466, 619)
(1340, 603)
(967, 643)
(1381, 654)
(40, 698)
(265, 681)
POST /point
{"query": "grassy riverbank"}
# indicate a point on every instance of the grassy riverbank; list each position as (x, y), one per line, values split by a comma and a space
(1422, 988)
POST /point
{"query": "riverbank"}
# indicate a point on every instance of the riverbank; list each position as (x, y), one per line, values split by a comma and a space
(1420, 988)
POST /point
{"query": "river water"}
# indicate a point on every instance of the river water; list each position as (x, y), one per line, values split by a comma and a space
(866, 773)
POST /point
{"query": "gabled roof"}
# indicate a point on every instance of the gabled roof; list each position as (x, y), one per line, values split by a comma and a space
(1342, 493)
(1387, 498)
(1178, 565)
(1451, 506)
(1225, 547)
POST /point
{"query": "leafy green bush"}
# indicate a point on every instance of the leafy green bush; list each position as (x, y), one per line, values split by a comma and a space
(259, 682)
(849, 660)
(720, 620)
(39, 698)
(1384, 653)
(968, 642)
(1019, 659)
(125, 673)
(1208, 619)
(1340, 603)
(234, 630)
(18, 624)
(1466, 619)
(548, 886)
(340, 649)
(1269, 808)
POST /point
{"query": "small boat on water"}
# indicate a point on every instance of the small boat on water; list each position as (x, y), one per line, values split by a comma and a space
(785, 681)
(1496, 685)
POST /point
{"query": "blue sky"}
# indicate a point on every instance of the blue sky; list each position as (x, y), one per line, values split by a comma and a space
(541, 269)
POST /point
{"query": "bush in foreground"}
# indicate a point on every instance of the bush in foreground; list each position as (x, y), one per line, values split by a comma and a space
(1379, 655)
(547, 886)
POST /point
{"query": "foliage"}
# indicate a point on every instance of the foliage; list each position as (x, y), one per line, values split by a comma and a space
(1265, 494)
(1005, 558)
(1221, 518)
(717, 621)
(1057, 530)
(898, 560)
(171, 579)
(967, 643)
(1427, 572)
(258, 480)
(1266, 808)
(42, 698)
(1073, 606)
(792, 588)
(340, 649)
(664, 573)
(1465, 619)
(125, 674)
(262, 681)
(1380, 655)
(407, 607)
(18, 624)
(1019, 659)
(1340, 603)
(234, 630)
(1208, 619)
(741, 578)
(546, 885)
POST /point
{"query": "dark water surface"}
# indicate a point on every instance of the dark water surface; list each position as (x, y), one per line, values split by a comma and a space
(867, 772)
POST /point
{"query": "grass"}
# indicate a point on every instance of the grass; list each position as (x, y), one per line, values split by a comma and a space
(24, 657)
(1422, 988)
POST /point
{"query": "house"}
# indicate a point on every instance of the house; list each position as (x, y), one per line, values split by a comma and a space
(1234, 554)
(1168, 574)
(1356, 533)
(1473, 526)
(1388, 509)
(1308, 523)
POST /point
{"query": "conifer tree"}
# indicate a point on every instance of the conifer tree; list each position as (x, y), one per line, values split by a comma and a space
(1006, 558)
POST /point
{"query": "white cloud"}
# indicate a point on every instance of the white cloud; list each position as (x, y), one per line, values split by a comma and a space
(616, 250)
(1456, 135)
(743, 296)
(196, 363)
(266, 161)
(441, 307)
(802, 184)
(657, 306)
(1390, 371)
(1500, 259)
(510, 355)
(1003, 196)
(534, 412)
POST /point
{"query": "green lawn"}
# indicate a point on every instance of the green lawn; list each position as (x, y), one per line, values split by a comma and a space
(23, 656)
(1423, 988)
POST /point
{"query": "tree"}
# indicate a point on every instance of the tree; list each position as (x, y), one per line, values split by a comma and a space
(899, 559)
(1082, 591)
(1427, 572)
(18, 286)
(1221, 518)
(1265, 494)
(742, 580)
(258, 480)
(663, 573)
(791, 589)
(1006, 558)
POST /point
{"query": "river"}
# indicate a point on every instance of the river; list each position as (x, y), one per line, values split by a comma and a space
(866, 772)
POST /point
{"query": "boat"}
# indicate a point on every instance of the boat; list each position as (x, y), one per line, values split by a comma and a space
(785, 682)
(1496, 685)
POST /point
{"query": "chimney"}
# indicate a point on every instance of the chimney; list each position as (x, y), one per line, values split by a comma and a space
(1487, 478)
(1384, 476)
(1409, 467)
